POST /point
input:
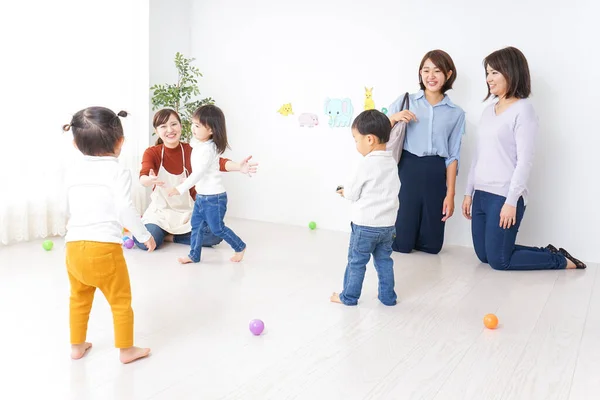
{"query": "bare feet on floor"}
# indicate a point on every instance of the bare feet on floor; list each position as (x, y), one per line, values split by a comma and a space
(237, 257)
(571, 264)
(79, 350)
(184, 260)
(335, 298)
(133, 353)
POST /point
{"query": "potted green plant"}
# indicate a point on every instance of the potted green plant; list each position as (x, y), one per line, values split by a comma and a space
(181, 96)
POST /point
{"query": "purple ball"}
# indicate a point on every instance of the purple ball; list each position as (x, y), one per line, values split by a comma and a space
(257, 327)
(129, 243)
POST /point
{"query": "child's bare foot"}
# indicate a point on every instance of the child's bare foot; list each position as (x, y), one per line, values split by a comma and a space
(184, 260)
(79, 350)
(335, 298)
(237, 257)
(133, 353)
(168, 238)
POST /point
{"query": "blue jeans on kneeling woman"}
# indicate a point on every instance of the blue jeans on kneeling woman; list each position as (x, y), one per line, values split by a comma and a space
(159, 234)
(496, 246)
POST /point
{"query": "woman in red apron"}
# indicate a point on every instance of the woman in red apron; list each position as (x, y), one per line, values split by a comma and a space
(165, 166)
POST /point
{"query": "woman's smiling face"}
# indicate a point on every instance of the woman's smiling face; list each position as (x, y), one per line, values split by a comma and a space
(170, 131)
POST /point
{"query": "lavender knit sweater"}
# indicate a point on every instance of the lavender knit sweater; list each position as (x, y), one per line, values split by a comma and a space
(505, 152)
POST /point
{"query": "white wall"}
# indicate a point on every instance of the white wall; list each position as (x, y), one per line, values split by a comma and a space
(170, 32)
(258, 55)
(57, 58)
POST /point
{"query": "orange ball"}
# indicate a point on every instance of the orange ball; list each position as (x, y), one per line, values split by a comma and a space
(490, 321)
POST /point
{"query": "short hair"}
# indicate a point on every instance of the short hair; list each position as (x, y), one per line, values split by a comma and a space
(96, 130)
(373, 122)
(444, 62)
(512, 64)
(212, 117)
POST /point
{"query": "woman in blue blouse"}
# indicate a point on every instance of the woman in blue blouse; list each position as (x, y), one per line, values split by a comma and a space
(430, 158)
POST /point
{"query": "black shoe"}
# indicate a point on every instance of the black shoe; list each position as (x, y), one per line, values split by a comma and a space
(552, 249)
(578, 264)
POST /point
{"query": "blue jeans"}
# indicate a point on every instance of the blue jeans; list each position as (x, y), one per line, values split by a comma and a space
(365, 241)
(496, 246)
(209, 210)
(159, 237)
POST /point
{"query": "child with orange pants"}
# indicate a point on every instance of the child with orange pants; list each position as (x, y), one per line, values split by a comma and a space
(99, 205)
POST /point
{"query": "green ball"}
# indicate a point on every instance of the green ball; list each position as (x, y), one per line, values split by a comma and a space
(312, 225)
(47, 245)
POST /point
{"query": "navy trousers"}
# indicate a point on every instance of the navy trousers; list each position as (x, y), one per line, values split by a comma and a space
(419, 223)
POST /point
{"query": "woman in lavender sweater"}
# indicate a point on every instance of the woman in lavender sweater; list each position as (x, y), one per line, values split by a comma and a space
(497, 185)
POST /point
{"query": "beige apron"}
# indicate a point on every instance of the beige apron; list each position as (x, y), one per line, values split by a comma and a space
(170, 213)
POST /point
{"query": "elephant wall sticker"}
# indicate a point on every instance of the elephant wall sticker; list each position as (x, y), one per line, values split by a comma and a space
(339, 112)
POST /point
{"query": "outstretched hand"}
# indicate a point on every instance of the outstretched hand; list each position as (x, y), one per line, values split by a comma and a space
(247, 167)
(154, 179)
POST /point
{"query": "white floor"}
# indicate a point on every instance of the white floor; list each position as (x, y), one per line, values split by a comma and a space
(432, 345)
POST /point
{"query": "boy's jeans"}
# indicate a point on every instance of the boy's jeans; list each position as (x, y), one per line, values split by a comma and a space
(365, 241)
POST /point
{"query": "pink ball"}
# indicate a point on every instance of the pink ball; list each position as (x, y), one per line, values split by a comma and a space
(257, 327)
(129, 243)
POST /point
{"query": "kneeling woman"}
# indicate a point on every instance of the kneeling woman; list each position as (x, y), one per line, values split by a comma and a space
(430, 157)
(497, 185)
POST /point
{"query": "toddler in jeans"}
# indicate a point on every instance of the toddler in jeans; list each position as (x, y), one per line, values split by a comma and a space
(373, 191)
(209, 128)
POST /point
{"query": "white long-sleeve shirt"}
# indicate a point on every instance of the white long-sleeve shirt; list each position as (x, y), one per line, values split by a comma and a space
(98, 192)
(205, 175)
(373, 190)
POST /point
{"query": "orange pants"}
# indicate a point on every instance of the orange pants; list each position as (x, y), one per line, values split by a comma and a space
(94, 265)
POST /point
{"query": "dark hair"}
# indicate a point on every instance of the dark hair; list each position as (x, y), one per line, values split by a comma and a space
(512, 64)
(373, 122)
(444, 62)
(96, 130)
(161, 117)
(213, 118)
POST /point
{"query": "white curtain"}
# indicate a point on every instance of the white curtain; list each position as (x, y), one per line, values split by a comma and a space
(88, 54)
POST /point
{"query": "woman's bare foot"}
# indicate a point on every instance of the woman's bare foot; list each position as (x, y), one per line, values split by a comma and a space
(184, 260)
(571, 264)
(133, 353)
(335, 298)
(238, 256)
(79, 350)
(168, 238)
